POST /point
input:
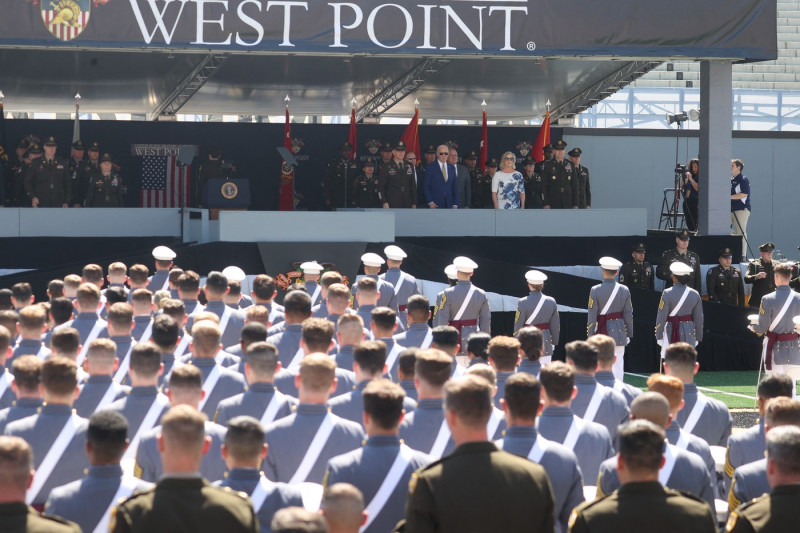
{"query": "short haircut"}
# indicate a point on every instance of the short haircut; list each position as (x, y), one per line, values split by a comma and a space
(5, 300)
(174, 308)
(262, 358)
(531, 342)
(338, 293)
(88, 295)
(504, 351)
(317, 371)
(317, 334)
(297, 304)
(205, 338)
(433, 366)
(5, 339)
(784, 270)
(107, 434)
(298, 520)
(257, 314)
(418, 308)
(782, 411)
(184, 427)
(738, 163)
(652, 406)
(681, 356)
(145, 359)
(582, 354)
(351, 327)
(32, 317)
(165, 332)
(234, 288)
(604, 345)
(206, 315)
(406, 361)
(329, 278)
(216, 282)
(115, 295)
(470, 398)
(367, 286)
(103, 351)
(783, 447)
(187, 378)
(138, 273)
(668, 386)
(65, 340)
(478, 344)
(9, 319)
(384, 318)
(189, 281)
(117, 269)
(446, 337)
(244, 439)
(72, 281)
(485, 371)
(61, 310)
(253, 332)
(141, 297)
(59, 376)
(343, 507)
(263, 287)
(773, 385)
(641, 446)
(92, 273)
(22, 292)
(370, 356)
(174, 275)
(522, 395)
(55, 289)
(161, 296)
(558, 380)
(383, 402)
(27, 371)
(16, 462)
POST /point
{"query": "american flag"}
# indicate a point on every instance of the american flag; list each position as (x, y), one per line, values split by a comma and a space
(162, 178)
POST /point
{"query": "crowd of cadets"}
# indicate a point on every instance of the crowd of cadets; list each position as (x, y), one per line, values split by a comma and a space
(361, 409)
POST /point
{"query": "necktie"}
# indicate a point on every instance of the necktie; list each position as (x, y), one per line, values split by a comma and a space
(444, 171)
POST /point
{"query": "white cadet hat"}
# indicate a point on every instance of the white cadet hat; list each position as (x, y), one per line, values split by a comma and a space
(311, 267)
(534, 277)
(609, 263)
(372, 260)
(465, 264)
(162, 253)
(234, 273)
(680, 269)
(395, 253)
(451, 272)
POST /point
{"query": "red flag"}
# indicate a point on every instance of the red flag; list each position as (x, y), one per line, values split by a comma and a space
(542, 139)
(351, 138)
(286, 198)
(484, 155)
(411, 136)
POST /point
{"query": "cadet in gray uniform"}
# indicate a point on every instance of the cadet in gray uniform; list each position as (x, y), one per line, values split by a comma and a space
(682, 470)
(605, 347)
(426, 429)
(263, 292)
(496, 425)
(349, 331)
(42, 430)
(594, 402)
(88, 501)
(185, 388)
(503, 357)
(368, 365)
(32, 320)
(160, 279)
(374, 468)
(417, 333)
(27, 373)
(781, 352)
(99, 390)
(301, 444)
(311, 273)
(464, 306)
(539, 311)
(329, 278)
(611, 312)
(142, 302)
(120, 317)
(219, 383)
(531, 341)
(520, 404)
(231, 321)
(405, 285)
(366, 296)
(387, 296)
(590, 441)
(261, 400)
(749, 445)
(89, 325)
(705, 417)
(680, 311)
(188, 289)
(165, 337)
(243, 451)
(383, 324)
(297, 306)
(750, 480)
(405, 372)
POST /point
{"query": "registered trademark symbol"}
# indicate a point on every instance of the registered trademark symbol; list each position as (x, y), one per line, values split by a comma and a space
(531, 46)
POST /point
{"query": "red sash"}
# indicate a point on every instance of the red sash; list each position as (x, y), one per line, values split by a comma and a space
(458, 324)
(772, 338)
(675, 321)
(542, 326)
(602, 319)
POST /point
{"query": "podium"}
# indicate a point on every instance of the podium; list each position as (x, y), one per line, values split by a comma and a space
(226, 195)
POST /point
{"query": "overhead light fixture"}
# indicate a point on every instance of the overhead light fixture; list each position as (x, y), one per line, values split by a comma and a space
(683, 116)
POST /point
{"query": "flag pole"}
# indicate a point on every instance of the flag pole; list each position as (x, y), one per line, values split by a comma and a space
(76, 127)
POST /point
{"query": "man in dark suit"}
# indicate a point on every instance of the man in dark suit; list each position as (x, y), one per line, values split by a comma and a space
(463, 179)
(441, 185)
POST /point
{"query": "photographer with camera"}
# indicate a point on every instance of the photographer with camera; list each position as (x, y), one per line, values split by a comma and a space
(690, 189)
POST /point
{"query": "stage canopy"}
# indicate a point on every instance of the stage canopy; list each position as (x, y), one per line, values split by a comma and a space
(160, 57)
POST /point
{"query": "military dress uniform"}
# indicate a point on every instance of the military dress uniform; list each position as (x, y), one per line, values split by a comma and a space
(339, 176)
(403, 290)
(21, 408)
(478, 183)
(105, 191)
(365, 191)
(148, 458)
(583, 187)
(285, 383)
(229, 383)
(714, 424)
(760, 286)
(684, 326)
(48, 180)
(253, 402)
(725, 285)
(75, 170)
(637, 275)
(281, 495)
(350, 405)
(476, 316)
(689, 258)
(420, 429)
(644, 506)
(749, 482)
(533, 188)
(135, 406)
(396, 185)
(413, 337)
(781, 346)
(559, 189)
(684, 440)
(775, 512)
(744, 447)
(287, 342)
(613, 410)
(617, 322)
(16, 517)
(94, 390)
(607, 379)
(387, 298)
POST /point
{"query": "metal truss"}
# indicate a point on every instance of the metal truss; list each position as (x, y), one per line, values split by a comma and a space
(620, 78)
(200, 74)
(395, 90)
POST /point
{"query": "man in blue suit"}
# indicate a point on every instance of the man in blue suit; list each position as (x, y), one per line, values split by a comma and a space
(441, 185)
